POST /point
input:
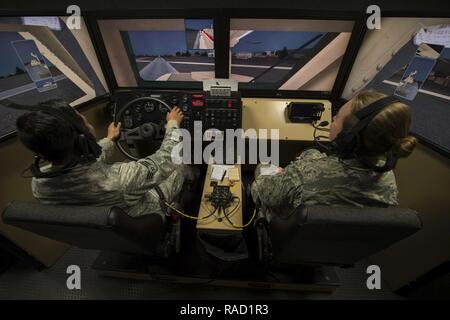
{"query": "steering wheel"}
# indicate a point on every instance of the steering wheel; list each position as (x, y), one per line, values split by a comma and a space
(142, 120)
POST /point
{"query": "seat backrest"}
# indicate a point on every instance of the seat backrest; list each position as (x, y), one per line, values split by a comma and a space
(320, 235)
(104, 228)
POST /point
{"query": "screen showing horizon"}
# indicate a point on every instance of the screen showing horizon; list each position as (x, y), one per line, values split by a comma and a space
(173, 55)
(287, 54)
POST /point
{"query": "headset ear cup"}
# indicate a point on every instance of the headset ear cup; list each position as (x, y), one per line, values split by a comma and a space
(354, 143)
(34, 168)
(83, 146)
(344, 144)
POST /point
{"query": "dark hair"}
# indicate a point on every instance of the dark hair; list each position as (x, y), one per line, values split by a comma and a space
(50, 137)
(388, 130)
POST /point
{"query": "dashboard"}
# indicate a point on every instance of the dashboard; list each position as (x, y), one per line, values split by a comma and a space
(135, 107)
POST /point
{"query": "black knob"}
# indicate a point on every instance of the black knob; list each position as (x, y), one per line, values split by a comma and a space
(162, 108)
(149, 106)
(128, 122)
(147, 130)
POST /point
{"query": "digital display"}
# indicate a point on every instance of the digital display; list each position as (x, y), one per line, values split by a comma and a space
(163, 50)
(40, 62)
(284, 54)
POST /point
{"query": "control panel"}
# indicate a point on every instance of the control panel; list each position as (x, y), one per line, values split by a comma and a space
(213, 111)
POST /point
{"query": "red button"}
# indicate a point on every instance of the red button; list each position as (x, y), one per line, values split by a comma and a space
(230, 103)
(198, 103)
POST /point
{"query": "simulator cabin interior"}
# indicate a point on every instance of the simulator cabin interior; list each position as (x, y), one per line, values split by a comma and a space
(227, 116)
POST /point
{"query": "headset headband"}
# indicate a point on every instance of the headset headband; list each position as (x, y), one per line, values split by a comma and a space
(376, 107)
(74, 122)
(347, 141)
(88, 147)
(57, 108)
(366, 114)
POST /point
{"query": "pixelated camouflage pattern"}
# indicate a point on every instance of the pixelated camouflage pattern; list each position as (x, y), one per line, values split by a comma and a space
(128, 185)
(317, 179)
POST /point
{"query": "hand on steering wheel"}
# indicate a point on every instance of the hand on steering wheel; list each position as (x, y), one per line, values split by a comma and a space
(114, 131)
(133, 131)
(175, 114)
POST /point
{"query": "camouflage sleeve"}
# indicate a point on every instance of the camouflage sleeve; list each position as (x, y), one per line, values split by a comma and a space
(311, 154)
(278, 190)
(137, 177)
(258, 169)
(107, 150)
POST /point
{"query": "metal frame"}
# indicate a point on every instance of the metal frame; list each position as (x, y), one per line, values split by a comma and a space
(18, 253)
(117, 265)
(350, 55)
(221, 18)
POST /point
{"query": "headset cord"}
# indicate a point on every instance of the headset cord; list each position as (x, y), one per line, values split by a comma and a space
(233, 211)
(320, 144)
(181, 213)
(197, 218)
(210, 213)
(321, 124)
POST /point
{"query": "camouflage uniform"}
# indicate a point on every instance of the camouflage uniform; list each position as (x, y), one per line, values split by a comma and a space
(128, 185)
(317, 179)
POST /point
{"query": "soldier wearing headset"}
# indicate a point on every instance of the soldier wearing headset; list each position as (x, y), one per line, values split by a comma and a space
(368, 135)
(80, 171)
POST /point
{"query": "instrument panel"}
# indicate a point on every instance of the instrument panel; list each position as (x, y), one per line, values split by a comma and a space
(212, 111)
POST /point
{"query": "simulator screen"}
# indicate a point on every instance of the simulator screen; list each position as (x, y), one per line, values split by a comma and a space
(160, 50)
(42, 59)
(421, 76)
(283, 54)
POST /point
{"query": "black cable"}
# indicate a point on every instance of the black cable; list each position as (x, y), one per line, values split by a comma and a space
(315, 137)
(227, 217)
(230, 214)
(210, 213)
(320, 144)
(321, 124)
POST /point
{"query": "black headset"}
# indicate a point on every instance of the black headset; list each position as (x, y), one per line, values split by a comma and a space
(349, 139)
(88, 148)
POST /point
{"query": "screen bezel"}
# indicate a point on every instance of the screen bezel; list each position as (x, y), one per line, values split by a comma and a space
(352, 46)
(160, 14)
(221, 19)
(154, 84)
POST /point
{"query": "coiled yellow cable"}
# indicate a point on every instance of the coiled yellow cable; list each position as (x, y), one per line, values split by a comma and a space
(197, 218)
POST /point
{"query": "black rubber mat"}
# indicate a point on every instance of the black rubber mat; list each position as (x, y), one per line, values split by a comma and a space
(22, 282)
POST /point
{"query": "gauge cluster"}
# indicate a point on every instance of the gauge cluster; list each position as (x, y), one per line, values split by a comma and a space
(144, 106)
